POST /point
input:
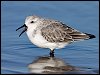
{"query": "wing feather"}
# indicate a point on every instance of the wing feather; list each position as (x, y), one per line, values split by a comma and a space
(56, 32)
(59, 32)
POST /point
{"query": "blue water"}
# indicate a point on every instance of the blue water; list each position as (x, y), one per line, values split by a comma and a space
(17, 53)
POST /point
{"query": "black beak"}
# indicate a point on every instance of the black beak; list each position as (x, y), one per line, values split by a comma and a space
(23, 30)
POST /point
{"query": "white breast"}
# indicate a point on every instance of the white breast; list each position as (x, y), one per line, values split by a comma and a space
(40, 41)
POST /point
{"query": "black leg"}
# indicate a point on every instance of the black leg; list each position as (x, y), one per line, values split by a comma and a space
(51, 53)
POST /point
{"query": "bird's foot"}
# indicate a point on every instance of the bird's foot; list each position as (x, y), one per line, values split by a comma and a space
(51, 53)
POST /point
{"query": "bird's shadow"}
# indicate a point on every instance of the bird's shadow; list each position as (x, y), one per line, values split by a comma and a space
(50, 65)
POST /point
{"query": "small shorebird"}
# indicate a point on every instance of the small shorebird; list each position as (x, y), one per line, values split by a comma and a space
(52, 34)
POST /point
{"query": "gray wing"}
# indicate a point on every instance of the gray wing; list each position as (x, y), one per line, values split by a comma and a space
(59, 32)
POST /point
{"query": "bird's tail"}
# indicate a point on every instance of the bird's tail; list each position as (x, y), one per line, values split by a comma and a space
(90, 35)
(81, 36)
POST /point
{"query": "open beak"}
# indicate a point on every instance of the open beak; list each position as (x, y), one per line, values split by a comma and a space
(23, 30)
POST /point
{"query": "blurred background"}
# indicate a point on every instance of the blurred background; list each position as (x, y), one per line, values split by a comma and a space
(17, 53)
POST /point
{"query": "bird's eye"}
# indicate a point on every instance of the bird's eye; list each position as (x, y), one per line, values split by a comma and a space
(32, 22)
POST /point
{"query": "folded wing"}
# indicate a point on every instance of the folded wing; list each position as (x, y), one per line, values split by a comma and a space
(59, 32)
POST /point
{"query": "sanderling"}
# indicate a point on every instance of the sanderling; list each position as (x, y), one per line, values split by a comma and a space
(52, 34)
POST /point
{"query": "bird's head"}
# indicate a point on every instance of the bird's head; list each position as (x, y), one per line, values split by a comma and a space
(30, 23)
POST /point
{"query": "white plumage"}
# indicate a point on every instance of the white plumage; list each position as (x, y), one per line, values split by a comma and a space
(52, 34)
